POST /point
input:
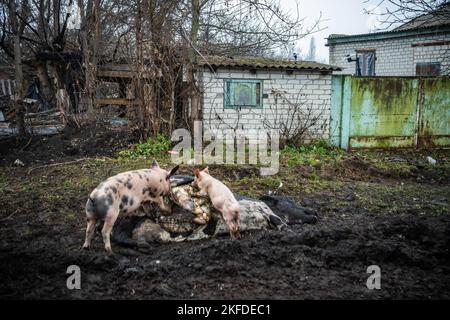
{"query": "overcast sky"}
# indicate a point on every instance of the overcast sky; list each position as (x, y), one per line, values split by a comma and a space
(338, 16)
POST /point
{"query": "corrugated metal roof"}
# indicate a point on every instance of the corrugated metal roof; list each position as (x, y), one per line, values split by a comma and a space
(263, 63)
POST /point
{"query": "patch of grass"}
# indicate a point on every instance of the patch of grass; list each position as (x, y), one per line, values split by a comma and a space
(152, 147)
(271, 182)
(312, 154)
(398, 167)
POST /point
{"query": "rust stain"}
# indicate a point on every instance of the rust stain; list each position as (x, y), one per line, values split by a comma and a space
(393, 112)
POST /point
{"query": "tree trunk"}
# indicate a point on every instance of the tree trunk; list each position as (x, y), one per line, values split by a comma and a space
(94, 53)
(194, 90)
(88, 83)
(90, 17)
(139, 88)
(44, 79)
(62, 101)
(18, 98)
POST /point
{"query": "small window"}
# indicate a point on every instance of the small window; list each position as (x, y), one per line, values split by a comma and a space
(243, 93)
(428, 69)
(365, 63)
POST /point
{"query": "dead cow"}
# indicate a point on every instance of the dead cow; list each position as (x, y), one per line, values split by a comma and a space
(124, 193)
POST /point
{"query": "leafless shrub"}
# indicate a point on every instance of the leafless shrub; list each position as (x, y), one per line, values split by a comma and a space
(296, 118)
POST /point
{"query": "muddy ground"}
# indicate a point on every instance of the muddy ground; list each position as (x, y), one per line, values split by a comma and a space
(389, 209)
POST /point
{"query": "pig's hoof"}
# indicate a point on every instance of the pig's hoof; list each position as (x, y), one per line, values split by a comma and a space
(85, 247)
(108, 251)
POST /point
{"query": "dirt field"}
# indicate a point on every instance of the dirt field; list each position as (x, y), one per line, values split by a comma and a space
(389, 209)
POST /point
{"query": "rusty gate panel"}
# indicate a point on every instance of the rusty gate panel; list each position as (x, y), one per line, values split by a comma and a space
(434, 113)
(390, 112)
(383, 112)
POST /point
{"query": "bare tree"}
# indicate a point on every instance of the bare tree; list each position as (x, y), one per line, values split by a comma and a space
(19, 92)
(156, 38)
(239, 27)
(394, 13)
(43, 35)
(249, 27)
(410, 14)
(89, 38)
(194, 89)
(311, 56)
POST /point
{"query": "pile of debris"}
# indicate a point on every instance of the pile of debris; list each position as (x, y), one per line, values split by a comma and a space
(37, 121)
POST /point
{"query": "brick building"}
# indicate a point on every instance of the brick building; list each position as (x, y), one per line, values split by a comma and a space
(252, 93)
(418, 47)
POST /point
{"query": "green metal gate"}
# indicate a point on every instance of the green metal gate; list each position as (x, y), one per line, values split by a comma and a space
(390, 112)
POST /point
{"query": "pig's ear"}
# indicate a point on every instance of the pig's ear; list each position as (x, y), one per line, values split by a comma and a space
(197, 173)
(206, 170)
(155, 164)
(172, 172)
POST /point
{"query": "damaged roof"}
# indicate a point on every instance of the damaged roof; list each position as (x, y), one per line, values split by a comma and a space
(263, 63)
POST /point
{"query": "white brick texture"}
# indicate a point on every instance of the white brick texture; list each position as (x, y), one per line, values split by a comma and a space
(395, 56)
(309, 91)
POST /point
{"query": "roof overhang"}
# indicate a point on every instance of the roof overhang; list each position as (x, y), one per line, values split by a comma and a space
(258, 63)
(387, 35)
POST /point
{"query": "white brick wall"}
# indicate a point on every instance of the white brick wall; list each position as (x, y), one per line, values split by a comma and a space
(395, 57)
(310, 91)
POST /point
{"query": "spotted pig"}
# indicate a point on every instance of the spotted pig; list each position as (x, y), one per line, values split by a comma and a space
(124, 193)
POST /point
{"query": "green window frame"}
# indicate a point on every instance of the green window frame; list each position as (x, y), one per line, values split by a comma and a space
(242, 93)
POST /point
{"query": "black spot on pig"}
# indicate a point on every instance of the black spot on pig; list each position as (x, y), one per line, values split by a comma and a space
(114, 189)
(125, 199)
(90, 205)
(119, 180)
(129, 184)
(140, 176)
(109, 199)
(131, 201)
(121, 206)
(160, 180)
(98, 206)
